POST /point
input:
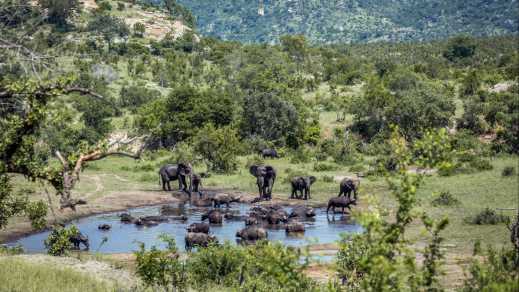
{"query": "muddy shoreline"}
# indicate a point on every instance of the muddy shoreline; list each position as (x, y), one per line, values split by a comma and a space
(128, 200)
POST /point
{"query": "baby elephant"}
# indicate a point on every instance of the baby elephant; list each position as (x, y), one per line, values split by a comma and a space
(214, 216)
(339, 202)
(252, 233)
(196, 181)
(301, 184)
(198, 228)
(223, 199)
(295, 227)
(194, 239)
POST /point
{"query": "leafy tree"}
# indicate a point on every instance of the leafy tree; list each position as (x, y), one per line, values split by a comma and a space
(59, 11)
(183, 112)
(58, 243)
(272, 118)
(219, 147)
(108, 26)
(459, 48)
(133, 96)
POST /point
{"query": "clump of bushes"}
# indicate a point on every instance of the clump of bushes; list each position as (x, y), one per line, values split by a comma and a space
(445, 199)
(11, 250)
(358, 168)
(489, 217)
(321, 166)
(508, 171)
(58, 243)
(254, 160)
(301, 155)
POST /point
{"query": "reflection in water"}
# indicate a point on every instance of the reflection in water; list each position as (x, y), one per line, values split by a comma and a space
(124, 238)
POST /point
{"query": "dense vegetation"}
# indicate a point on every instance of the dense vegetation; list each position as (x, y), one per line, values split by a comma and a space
(344, 21)
(86, 77)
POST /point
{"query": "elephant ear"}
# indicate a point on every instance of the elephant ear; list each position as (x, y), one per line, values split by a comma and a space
(184, 168)
(312, 179)
(254, 169)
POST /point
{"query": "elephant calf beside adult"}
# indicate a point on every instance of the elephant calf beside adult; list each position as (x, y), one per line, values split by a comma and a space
(180, 171)
(301, 184)
(265, 178)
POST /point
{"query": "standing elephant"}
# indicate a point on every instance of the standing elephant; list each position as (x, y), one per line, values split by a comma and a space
(269, 152)
(347, 186)
(301, 184)
(197, 183)
(78, 239)
(265, 178)
(178, 171)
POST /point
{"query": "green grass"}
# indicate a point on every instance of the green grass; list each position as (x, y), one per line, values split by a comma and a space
(18, 275)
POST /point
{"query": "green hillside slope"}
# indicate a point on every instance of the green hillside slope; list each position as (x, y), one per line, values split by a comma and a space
(335, 21)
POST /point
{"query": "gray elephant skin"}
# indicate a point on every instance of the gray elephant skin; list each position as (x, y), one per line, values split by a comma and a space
(180, 172)
(194, 239)
(269, 153)
(339, 202)
(265, 178)
(348, 186)
(302, 184)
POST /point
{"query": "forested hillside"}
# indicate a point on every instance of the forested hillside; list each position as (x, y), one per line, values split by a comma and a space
(344, 21)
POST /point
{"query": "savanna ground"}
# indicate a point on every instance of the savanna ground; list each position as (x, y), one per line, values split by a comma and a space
(121, 183)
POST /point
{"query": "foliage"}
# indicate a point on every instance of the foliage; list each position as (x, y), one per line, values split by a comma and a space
(321, 166)
(59, 11)
(219, 147)
(445, 199)
(108, 26)
(11, 250)
(134, 96)
(498, 272)
(161, 268)
(489, 216)
(58, 243)
(36, 212)
(508, 171)
(349, 22)
(458, 48)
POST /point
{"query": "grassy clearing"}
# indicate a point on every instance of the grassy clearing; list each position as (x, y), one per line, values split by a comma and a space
(14, 275)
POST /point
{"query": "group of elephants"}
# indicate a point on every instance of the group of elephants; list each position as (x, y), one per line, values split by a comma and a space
(259, 218)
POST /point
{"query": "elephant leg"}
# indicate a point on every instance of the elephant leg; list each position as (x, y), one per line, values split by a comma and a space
(169, 185)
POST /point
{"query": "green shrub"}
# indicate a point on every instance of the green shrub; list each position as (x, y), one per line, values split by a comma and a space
(120, 6)
(161, 268)
(498, 272)
(445, 199)
(58, 243)
(219, 147)
(216, 264)
(481, 164)
(11, 250)
(489, 217)
(321, 166)
(508, 171)
(36, 212)
(301, 155)
(254, 160)
(446, 169)
(358, 168)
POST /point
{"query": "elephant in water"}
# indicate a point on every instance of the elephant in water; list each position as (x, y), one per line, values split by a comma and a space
(178, 171)
(301, 184)
(265, 178)
(78, 239)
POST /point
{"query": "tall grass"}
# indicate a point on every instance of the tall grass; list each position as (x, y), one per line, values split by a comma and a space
(19, 275)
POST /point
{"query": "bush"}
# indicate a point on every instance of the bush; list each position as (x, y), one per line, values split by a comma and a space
(508, 171)
(481, 164)
(58, 243)
(11, 250)
(134, 96)
(489, 217)
(301, 155)
(219, 147)
(320, 166)
(358, 168)
(254, 160)
(328, 178)
(445, 199)
(446, 169)
(216, 264)
(161, 268)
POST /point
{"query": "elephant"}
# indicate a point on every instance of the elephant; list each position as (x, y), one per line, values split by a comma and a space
(295, 227)
(127, 218)
(197, 183)
(301, 184)
(214, 216)
(347, 186)
(251, 221)
(104, 227)
(198, 228)
(302, 212)
(78, 239)
(269, 152)
(224, 199)
(194, 239)
(340, 202)
(252, 233)
(178, 171)
(265, 178)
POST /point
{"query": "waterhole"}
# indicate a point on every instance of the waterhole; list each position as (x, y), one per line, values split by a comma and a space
(125, 238)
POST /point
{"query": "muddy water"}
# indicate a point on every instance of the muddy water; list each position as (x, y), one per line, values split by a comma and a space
(124, 238)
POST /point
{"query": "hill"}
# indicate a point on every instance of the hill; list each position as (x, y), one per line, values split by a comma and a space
(352, 20)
